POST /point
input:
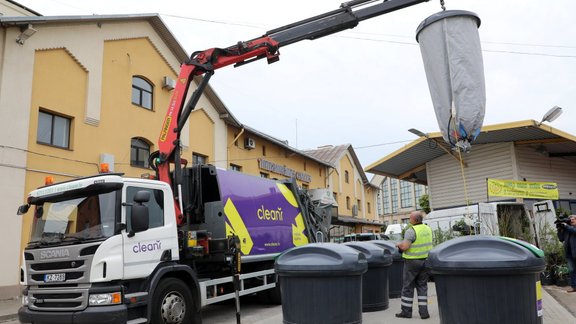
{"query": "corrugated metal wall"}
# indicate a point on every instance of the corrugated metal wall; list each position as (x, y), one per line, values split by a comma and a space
(446, 184)
(533, 166)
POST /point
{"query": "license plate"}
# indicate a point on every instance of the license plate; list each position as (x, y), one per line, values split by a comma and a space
(54, 277)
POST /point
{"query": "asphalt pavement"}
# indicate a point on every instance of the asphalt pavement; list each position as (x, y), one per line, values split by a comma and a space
(559, 307)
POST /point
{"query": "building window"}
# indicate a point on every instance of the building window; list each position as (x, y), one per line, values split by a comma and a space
(359, 204)
(263, 150)
(346, 177)
(347, 202)
(198, 159)
(53, 130)
(141, 92)
(406, 198)
(394, 194)
(235, 167)
(139, 152)
(386, 197)
(369, 208)
(320, 171)
(304, 186)
(264, 175)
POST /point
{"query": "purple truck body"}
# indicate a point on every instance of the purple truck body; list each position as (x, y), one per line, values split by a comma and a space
(262, 214)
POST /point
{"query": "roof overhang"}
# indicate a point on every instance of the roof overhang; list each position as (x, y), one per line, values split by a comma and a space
(409, 162)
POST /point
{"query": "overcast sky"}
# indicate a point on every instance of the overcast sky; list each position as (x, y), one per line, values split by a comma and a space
(366, 86)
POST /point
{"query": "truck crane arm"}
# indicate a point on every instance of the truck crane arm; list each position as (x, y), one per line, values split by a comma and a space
(204, 63)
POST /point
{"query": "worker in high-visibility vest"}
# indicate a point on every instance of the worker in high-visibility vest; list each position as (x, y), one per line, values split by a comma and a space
(415, 247)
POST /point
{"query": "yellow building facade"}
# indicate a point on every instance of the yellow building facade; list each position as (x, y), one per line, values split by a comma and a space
(355, 195)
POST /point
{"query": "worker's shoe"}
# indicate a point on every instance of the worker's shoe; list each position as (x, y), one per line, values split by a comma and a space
(424, 316)
(571, 290)
(403, 315)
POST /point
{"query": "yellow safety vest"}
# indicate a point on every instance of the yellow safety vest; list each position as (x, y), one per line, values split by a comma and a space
(423, 244)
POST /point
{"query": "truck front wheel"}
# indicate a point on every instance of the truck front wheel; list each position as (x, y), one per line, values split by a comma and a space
(173, 304)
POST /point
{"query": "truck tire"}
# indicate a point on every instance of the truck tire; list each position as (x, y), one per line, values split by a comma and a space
(172, 303)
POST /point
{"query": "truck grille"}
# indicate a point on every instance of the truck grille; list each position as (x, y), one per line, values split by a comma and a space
(58, 277)
(56, 265)
(57, 300)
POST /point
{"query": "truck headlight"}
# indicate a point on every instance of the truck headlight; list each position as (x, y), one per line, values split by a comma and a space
(25, 300)
(105, 299)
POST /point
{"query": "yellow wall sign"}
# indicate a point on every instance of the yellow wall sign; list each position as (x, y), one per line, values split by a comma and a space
(522, 189)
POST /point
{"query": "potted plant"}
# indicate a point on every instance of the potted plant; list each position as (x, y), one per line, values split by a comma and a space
(554, 255)
(562, 275)
(556, 271)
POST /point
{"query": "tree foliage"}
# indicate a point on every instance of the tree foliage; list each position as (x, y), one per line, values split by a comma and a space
(424, 202)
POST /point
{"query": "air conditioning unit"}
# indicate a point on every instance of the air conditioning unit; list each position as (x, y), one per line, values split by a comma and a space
(168, 83)
(355, 210)
(249, 143)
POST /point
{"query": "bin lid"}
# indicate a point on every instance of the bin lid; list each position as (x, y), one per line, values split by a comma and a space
(376, 256)
(531, 247)
(391, 247)
(484, 254)
(321, 258)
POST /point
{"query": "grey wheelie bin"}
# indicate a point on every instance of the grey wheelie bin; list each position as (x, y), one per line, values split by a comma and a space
(396, 270)
(488, 279)
(321, 283)
(375, 280)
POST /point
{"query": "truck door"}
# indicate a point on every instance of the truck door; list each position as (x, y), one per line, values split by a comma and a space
(544, 216)
(488, 219)
(144, 250)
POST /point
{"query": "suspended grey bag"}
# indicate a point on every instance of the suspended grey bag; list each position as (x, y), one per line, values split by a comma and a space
(450, 47)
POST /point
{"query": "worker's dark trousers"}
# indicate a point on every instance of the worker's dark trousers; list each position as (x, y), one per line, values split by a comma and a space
(415, 276)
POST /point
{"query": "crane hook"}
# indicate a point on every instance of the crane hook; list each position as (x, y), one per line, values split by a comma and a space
(442, 5)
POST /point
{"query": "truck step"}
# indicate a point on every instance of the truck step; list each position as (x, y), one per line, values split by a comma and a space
(137, 321)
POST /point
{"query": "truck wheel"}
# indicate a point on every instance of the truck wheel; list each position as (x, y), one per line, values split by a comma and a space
(172, 303)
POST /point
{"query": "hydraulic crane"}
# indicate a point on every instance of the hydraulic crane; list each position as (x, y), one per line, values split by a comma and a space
(204, 63)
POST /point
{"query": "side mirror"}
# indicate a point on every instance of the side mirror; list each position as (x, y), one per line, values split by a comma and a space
(23, 209)
(139, 215)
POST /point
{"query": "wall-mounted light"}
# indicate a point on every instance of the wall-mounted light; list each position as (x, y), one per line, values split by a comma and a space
(26, 32)
(412, 177)
(417, 132)
(551, 115)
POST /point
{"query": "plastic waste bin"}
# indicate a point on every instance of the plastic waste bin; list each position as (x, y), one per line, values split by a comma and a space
(487, 279)
(321, 283)
(396, 270)
(375, 280)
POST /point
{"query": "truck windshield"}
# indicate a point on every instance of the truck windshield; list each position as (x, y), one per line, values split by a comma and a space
(75, 220)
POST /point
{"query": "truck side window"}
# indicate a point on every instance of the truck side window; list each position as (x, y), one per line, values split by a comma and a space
(155, 206)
